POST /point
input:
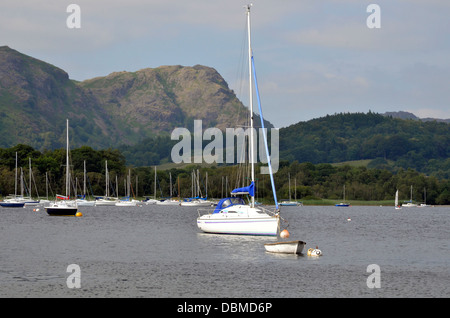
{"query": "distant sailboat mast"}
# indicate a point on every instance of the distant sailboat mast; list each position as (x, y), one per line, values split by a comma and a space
(252, 203)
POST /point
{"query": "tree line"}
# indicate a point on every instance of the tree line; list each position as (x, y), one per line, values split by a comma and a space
(391, 143)
(306, 180)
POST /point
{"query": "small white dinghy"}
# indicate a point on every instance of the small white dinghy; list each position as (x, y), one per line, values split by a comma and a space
(291, 247)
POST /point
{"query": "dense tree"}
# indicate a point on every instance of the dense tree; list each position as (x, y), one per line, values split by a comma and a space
(345, 137)
(308, 180)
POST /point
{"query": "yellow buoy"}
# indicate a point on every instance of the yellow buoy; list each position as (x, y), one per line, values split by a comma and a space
(78, 214)
(284, 234)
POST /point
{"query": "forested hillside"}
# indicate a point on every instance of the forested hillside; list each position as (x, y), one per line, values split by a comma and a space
(391, 143)
(313, 181)
(385, 142)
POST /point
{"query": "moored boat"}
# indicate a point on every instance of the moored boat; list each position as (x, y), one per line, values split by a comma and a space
(342, 204)
(233, 215)
(63, 206)
(397, 206)
(290, 203)
(290, 247)
(13, 202)
(410, 203)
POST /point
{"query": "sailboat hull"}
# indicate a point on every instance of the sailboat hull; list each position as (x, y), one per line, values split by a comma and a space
(105, 202)
(265, 227)
(62, 209)
(241, 220)
(12, 204)
(289, 203)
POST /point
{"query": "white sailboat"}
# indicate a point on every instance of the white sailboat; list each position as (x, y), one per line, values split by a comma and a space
(170, 200)
(13, 201)
(424, 204)
(410, 204)
(63, 206)
(197, 198)
(290, 202)
(83, 201)
(127, 201)
(233, 215)
(29, 201)
(397, 206)
(152, 201)
(106, 200)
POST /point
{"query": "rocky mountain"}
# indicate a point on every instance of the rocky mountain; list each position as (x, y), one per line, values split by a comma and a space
(121, 108)
(36, 97)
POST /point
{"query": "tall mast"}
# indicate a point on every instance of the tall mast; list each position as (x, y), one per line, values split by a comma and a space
(289, 176)
(29, 164)
(67, 159)
(84, 180)
(106, 179)
(15, 180)
(252, 204)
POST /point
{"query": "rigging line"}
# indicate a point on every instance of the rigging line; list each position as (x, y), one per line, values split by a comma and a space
(269, 163)
(239, 77)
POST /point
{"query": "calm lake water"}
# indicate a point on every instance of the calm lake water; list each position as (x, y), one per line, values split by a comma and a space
(157, 251)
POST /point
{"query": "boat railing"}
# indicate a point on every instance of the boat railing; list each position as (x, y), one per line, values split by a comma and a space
(271, 211)
(204, 211)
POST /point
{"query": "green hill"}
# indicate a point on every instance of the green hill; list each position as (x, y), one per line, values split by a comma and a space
(388, 142)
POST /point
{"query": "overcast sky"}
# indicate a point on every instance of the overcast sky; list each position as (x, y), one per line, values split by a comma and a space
(313, 57)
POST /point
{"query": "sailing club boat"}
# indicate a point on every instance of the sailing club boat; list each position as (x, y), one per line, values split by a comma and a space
(63, 206)
(397, 206)
(343, 203)
(13, 202)
(232, 215)
(290, 202)
(410, 203)
(106, 200)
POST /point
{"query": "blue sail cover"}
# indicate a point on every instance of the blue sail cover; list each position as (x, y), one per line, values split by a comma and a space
(245, 190)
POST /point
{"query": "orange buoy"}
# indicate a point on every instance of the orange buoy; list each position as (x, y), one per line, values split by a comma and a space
(78, 214)
(284, 234)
